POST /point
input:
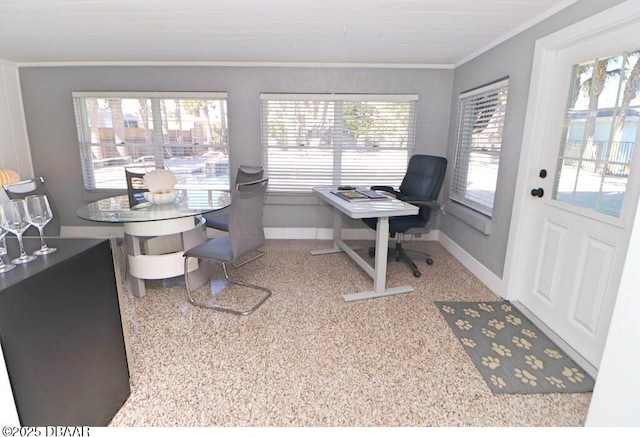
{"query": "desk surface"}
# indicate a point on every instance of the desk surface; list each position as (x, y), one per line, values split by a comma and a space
(367, 209)
(188, 203)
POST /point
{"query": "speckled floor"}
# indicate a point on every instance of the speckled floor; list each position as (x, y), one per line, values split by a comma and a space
(307, 358)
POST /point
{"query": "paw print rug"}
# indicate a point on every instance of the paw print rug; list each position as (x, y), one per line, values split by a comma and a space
(510, 352)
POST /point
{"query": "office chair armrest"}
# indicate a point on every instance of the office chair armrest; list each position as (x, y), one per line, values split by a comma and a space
(419, 201)
(385, 188)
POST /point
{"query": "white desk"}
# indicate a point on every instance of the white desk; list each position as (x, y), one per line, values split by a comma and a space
(381, 210)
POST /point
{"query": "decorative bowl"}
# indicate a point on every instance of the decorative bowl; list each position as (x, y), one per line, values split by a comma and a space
(160, 197)
(159, 180)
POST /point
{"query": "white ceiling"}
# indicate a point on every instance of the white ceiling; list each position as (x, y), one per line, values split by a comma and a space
(414, 32)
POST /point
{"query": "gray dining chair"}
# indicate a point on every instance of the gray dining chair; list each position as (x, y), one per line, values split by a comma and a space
(220, 222)
(28, 187)
(245, 234)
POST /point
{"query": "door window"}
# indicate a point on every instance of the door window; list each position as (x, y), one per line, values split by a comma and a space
(600, 133)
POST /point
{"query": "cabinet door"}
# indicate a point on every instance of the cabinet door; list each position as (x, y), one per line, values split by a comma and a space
(62, 339)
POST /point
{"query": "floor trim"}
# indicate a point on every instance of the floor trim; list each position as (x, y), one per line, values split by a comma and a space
(486, 276)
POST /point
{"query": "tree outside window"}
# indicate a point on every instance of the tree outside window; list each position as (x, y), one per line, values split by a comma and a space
(321, 140)
(185, 133)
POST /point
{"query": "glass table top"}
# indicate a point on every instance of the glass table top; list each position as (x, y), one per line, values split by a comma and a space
(188, 203)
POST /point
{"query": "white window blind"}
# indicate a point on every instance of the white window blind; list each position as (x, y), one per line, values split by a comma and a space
(186, 133)
(336, 139)
(479, 141)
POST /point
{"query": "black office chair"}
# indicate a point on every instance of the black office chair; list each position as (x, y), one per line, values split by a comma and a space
(220, 222)
(28, 187)
(421, 187)
(246, 234)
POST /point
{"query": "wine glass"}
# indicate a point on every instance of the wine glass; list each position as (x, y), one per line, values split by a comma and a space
(40, 213)
(14, 217)
(3, 251)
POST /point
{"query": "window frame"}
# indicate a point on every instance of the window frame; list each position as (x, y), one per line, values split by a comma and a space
(335, 160)
(467, 120)
(157, 142)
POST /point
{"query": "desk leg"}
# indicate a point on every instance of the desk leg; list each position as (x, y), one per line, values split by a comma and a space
(379, 274)
(337, 235)
(382, 249)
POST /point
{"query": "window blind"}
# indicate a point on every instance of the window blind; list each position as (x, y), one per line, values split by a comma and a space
(336, 139)
(184, 132)
(479, 142)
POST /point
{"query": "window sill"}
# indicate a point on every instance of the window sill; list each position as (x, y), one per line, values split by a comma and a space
(473, 218)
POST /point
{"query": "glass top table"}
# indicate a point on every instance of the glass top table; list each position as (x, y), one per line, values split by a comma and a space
(188, 203)
(156, 235)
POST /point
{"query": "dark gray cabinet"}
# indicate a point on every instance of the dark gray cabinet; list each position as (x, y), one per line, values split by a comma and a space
(61, 334)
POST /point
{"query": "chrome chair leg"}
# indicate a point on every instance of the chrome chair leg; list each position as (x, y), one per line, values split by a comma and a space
(260, 253)
(267, 292)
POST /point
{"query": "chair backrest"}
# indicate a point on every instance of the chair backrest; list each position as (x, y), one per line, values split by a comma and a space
(28, 187)
(424, 178)
(135, 185)
(246, 231)
(247, 173)
(220, 221)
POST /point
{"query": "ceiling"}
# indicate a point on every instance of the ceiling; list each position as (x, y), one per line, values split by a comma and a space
(375, 32)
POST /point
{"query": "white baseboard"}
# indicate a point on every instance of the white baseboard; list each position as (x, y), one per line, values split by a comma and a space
(270, 233)
(327, 234)
(295, 234)
(317, 234)
(486, 276)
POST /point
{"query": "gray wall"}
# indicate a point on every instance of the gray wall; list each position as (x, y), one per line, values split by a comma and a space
(51, 126)
(46, 93)
(513, 58)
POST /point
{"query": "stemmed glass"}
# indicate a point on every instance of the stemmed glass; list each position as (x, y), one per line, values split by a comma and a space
(14, 217)
(3, 251)
(40, 213)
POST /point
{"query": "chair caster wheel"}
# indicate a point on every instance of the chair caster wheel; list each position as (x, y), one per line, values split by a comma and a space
(417, 274)
(429, 261)
(372, 252)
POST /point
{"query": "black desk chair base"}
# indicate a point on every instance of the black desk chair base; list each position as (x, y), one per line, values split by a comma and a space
(265, 295)
(400, 254)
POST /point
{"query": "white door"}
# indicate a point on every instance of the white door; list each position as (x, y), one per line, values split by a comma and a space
(579, 180)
